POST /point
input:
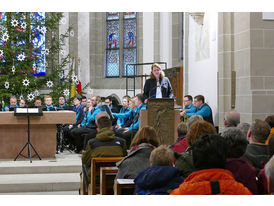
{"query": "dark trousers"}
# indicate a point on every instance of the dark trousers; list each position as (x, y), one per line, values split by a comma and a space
(128, 136)
(81, 135)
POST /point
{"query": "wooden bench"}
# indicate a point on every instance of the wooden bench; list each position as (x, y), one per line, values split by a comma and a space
(124, 186)
(96, 164)
(104, 173)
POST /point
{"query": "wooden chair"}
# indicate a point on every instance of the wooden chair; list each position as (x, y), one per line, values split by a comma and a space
(124, 187)
(104, 172)
(96, 163)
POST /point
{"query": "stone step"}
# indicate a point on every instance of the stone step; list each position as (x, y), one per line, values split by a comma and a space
(21, 183)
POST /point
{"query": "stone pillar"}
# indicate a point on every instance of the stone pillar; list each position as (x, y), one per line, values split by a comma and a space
(246, 47)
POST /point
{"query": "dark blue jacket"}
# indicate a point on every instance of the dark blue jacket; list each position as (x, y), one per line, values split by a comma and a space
(157, 180)
(79, 114)
(151, 86)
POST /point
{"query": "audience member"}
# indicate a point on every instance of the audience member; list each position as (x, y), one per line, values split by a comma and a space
(232, 118)
(244, 127)
(180, 145)
(203, 109)
(161, 177)
(242, 171)
(157, 86)
(13, 104)
(270, 121)
(105, 144)
(184, 163)
(137, 159)
(257, 151)
(211, 177)
(269, 172)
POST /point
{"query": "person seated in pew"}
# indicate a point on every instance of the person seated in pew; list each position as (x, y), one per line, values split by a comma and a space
(210, 177)
(137, 159)
(161, 177)
(105, 144)
(22, 103)
(13, 104)
(129, 132)
(48, 104)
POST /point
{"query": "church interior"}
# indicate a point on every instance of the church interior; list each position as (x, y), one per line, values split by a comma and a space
(226, 57)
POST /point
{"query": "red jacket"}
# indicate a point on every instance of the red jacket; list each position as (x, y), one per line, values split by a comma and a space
(199, 183)
(180, 146)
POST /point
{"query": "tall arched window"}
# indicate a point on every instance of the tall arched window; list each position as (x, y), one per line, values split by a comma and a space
(120, 43)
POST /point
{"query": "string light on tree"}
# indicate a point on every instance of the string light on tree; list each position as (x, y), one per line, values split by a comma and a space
(74, 78)
(1, 53)
(36, 93)
(13, 69)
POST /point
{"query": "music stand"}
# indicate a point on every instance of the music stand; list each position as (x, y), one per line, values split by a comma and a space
(28, 112)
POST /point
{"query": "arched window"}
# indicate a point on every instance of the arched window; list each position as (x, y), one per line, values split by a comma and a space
(120, 43)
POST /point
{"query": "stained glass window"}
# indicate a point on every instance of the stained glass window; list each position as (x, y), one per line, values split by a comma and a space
(128, 43)
(112, 15)
(112, 63)
(129, 58)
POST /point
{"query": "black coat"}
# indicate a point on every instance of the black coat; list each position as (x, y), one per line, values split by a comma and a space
(151, 86)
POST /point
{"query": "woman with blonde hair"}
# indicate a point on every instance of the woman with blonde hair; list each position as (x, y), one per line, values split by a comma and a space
(157, 86)
(137, 159)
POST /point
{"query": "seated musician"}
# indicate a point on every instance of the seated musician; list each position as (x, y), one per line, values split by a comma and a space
(48, 104)
(13, 104)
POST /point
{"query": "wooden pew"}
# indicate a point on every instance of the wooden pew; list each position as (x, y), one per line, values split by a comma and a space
(96, 163)
(104, 172)
(124, 186)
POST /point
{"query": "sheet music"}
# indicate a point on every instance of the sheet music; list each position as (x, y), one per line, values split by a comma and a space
(33, 110)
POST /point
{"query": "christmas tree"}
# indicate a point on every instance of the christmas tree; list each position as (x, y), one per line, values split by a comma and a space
(29, 56)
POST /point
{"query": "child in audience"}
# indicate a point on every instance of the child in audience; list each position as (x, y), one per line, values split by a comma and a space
(161, 177)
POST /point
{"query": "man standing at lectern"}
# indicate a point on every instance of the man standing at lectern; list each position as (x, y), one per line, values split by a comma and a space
(157, 86)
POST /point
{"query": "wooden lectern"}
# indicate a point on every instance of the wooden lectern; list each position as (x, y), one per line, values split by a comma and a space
(13, 132)
(160, 115)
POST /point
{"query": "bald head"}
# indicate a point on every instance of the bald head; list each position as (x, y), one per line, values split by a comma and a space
(232, 118)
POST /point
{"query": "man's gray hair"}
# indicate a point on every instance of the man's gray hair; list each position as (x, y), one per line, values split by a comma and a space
(101, 114)
(244, 127)
(193, 119)
(232, 117)
(269, 170)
